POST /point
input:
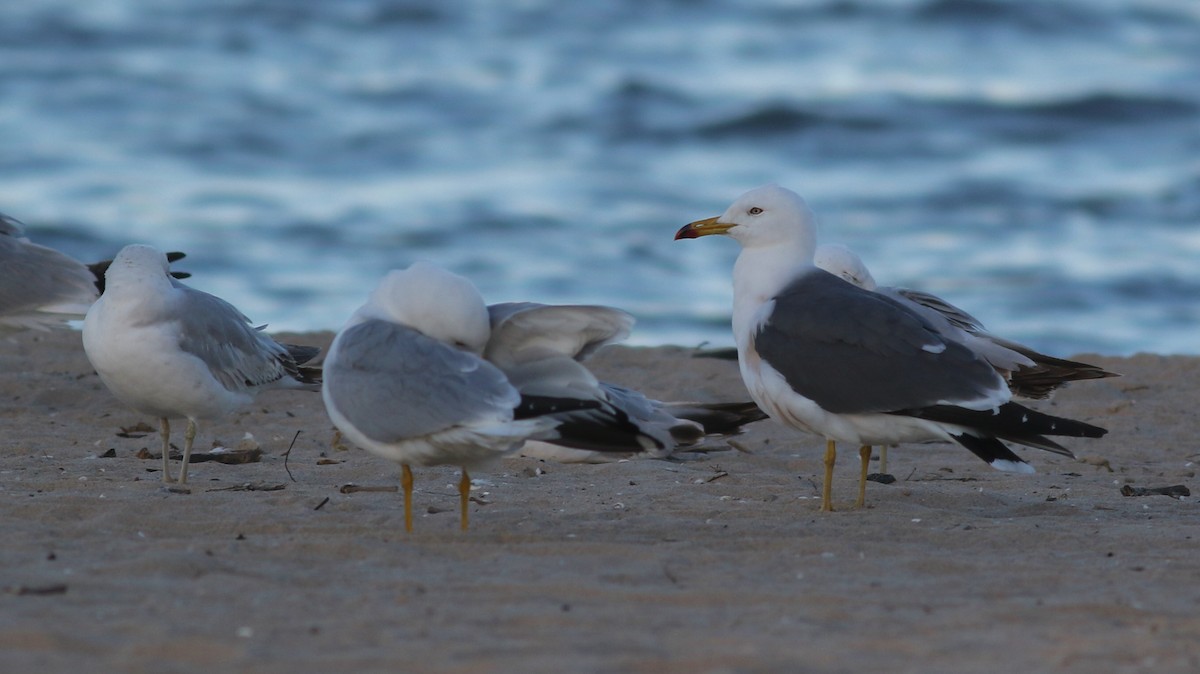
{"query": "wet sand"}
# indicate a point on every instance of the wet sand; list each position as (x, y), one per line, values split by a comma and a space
(720, 564)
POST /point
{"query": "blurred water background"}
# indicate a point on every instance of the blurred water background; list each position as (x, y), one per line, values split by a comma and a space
(1036, 162)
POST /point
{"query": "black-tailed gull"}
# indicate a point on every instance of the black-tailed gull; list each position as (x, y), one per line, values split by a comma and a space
(823, 355)
(168, 350)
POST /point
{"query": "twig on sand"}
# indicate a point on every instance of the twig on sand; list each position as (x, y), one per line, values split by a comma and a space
(289, 453)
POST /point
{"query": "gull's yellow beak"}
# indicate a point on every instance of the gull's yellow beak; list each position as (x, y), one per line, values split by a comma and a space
(704, 227)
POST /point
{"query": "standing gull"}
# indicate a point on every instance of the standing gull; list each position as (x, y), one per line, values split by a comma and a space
(823, 355)
(540, 348)
(1030, 374)
(165, 349)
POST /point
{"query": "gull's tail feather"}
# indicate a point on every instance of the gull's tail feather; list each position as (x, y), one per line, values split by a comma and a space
(1049, 373)
(995, 453)
(1010, 419)
(296, 364)
(1012, 422)
(718, 418)
(302, 354)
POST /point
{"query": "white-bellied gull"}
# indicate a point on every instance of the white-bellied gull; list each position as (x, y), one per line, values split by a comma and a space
(168, 350)
(1030, 374)
(540, 348)
(823, 355)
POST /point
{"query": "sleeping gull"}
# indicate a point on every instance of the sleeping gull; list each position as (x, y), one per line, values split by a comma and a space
(1030, 374)
(540, 348)
(823, 355)
(165, 349)
(41, 288)
(405, 379)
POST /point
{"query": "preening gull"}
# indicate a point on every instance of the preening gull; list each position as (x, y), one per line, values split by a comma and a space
(823, 355)
(1030, 374)
(540, 348)
(40, 287)
(419, 376)
(165, 349)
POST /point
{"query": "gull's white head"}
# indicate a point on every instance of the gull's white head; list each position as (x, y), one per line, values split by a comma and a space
(441, 304)
(765, 216)
(845, 264)
(138, 261)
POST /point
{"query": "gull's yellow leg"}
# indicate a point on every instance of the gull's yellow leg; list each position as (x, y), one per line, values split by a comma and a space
(883, 458)
(864, 453)
(827, 489)
(188, 437)
(406, 484)
(164, 427)
(464, 496)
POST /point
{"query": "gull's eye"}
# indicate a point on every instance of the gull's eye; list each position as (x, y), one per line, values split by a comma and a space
(755, 210)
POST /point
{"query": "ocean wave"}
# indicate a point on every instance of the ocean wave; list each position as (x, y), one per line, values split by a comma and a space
(781, 118)
(1041, 16)
(549, 150)
(657, 113)
(1110, 108)
(1042, 121)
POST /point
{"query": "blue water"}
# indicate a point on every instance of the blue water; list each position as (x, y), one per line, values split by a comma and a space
(1036, 162)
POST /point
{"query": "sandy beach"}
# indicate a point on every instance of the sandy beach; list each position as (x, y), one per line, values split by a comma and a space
(720, 564)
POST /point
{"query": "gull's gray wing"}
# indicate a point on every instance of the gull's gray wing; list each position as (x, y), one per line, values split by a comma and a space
(959, 326)
(35, 278)
(854, 351)
(953, 314)
(524, 331)
(239, 355)
(1032, 374)
(394, 383)
(1046, 373)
